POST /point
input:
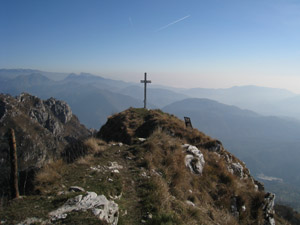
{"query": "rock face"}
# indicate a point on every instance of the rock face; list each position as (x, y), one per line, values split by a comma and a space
(43, 130)
(102, 208)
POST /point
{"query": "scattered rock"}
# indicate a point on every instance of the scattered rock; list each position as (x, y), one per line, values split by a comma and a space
(114, 165)
(102, 208)
(97, 169)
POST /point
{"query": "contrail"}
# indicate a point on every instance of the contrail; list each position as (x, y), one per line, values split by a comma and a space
(130, 21)
(170, 24)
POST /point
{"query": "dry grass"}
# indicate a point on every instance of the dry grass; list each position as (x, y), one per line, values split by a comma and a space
(85, 160)
(49, 175)
(95, 145)
(216, 187)
(132, 123)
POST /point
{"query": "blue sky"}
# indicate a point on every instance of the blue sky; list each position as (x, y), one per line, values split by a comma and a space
(191, 43)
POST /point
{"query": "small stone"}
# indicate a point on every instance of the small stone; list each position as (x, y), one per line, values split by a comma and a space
(243, 208)
(144, 174)
(125, 213)
(190, 203)
(142, 139)
(76, 189)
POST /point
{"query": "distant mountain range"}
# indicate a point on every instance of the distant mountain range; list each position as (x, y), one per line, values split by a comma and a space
(266, 101)
(92, 98)
(244, 118)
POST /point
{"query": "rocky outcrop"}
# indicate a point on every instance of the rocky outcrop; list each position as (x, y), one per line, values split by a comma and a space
(194, 159)
(43, 130)
(236, 169)
(102, 208)
(268, 209)
(51, 114)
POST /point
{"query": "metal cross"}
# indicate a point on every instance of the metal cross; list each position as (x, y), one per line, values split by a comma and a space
(145, 81)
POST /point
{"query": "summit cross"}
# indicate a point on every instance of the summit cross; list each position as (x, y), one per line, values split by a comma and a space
(145, 81)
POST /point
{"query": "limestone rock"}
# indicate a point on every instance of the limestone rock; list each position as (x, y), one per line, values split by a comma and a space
(102, 208)
(60, 109)
(194, 159)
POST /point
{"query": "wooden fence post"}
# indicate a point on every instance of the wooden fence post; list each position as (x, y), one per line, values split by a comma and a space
(13, 165)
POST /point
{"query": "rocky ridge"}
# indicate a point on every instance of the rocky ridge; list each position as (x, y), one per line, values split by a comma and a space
(43, 129)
